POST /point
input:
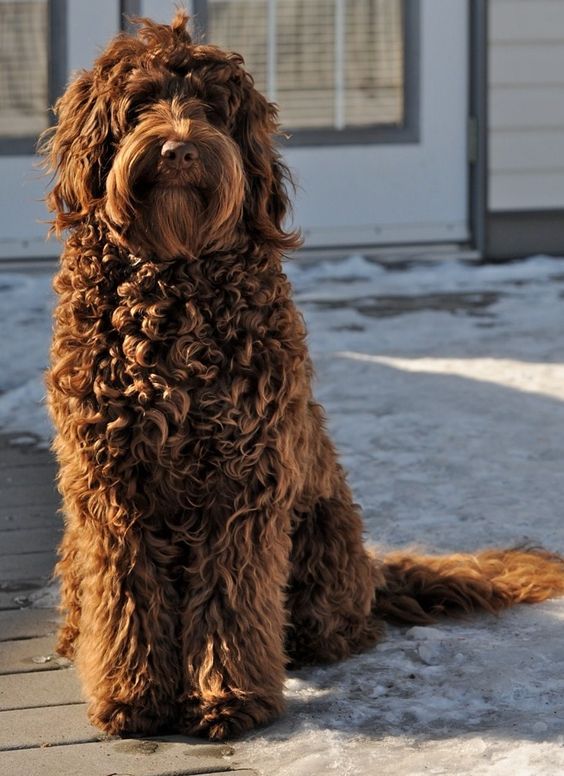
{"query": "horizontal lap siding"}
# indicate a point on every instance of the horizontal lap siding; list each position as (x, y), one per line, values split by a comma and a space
(526, 104)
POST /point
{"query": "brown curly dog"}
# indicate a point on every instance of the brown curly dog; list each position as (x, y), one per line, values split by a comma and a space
(211, 537)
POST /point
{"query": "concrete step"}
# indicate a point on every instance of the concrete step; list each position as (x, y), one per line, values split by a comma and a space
(15, 594)
(25, 728)
(42, 473)
(7, 600)
(23, 455)
(39, 493)
(33, 690)
(26, 515)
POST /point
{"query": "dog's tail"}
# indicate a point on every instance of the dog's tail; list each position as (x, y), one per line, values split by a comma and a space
(420, 588)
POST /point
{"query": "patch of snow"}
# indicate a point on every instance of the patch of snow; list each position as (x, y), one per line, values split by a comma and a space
(26, 302)
(23, 441)
(46, 597)
(23, 409)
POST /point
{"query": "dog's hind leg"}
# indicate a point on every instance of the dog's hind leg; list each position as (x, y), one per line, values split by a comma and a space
(333, 578)
(233, 626)
(332, 583)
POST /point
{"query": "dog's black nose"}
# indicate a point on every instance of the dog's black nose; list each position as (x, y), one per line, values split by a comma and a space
(179, 154)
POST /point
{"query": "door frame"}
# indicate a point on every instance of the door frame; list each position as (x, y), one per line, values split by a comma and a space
(478, 124)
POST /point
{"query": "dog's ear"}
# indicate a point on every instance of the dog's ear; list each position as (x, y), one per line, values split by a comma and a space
(78, 151)
(254, 128)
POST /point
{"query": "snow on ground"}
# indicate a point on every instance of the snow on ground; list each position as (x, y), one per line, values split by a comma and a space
(25, 325)
(444, 386)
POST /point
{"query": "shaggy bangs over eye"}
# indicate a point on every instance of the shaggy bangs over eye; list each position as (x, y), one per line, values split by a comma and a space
(141, 91)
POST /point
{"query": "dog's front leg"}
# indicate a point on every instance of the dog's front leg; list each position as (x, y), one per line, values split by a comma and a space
(233, 627)
(126, 651)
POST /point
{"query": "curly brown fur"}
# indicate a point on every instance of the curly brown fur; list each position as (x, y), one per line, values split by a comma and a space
(211, 536)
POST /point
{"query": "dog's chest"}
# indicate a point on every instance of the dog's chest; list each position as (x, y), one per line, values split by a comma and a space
(196, 360)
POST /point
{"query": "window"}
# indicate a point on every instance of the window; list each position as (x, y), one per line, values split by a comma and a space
(338, 69)
(27, 75)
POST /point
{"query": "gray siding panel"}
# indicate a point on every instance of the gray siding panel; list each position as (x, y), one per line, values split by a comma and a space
(526, 105)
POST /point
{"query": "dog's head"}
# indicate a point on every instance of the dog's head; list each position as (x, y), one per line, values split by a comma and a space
(169, 144)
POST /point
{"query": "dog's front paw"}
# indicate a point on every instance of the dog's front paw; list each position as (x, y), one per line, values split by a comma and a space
(227, 718)
(116, 718)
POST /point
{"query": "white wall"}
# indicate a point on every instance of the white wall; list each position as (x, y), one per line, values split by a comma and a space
(526, 104)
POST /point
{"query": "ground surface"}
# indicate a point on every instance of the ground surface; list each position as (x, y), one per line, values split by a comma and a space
(444, 386)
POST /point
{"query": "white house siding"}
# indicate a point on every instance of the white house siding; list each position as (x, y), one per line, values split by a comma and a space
(526, 105)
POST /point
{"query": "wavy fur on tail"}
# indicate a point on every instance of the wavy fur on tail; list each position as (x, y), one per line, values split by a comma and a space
(420, 588)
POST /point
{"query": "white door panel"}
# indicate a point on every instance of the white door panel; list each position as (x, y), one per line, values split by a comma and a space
(386, 193)
(22, 213)
(90, 25)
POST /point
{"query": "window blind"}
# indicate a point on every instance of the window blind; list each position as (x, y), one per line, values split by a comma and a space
(23, 67)
(327, 63)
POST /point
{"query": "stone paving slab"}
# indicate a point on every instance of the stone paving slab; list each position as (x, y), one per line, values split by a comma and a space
(27, 623)
(49, 688)
(26, 539)
(29, 456)
(122, 758)
(30, 656)
(38, 479)
(7, 600)
(28, 565)
(26, 477)
(24, 728)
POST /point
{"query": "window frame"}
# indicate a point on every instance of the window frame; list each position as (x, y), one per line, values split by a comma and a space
(56, 77)
(408, 132)
(128, 10)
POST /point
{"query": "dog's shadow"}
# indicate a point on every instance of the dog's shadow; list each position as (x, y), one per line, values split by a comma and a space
(489, 677)
(499, 677)
(502, 674)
